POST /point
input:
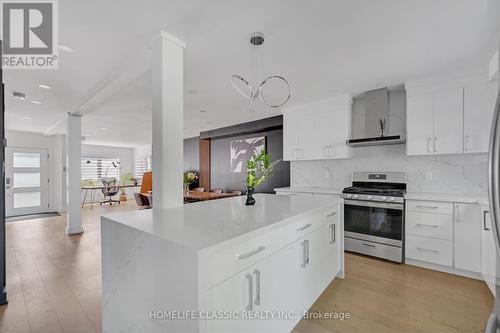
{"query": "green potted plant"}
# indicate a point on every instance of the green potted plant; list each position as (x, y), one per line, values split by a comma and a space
(259, 169)
(189, 178)
(125, 179)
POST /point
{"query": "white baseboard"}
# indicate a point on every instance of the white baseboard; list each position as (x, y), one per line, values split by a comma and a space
(445, 269)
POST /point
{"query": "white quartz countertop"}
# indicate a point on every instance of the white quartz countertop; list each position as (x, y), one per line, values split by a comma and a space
(319, 190)
(204, 224)
(446, 197)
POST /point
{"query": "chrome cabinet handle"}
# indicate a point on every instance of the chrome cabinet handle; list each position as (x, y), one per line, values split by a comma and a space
(466, 143)
(457, 212)
(304, 254)
(427, 250)
(304, 227)
(426, 206)
(427, 225)
(332, 229)
(484, 220)
(368, 245)
(332, 214)
(435, 144)
(250, 297)
(307, 251)
(251, 253)
(257, 287)
(429, 145)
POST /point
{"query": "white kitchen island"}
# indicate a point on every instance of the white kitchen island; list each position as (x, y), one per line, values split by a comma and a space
(183, 269)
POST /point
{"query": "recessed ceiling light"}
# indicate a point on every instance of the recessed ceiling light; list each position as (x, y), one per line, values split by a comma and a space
(104, 128)
(36, 102)
(192, 91)
(203, 111)
(26, 118)
(65, 48)
(44, 86)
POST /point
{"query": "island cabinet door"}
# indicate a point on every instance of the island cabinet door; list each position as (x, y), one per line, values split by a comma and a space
(268, 290)
(235, 297)
(325, 254)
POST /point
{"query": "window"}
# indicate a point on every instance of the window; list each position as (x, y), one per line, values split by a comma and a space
(142, 166)
(94, 168)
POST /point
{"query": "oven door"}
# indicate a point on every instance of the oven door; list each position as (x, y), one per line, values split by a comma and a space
(374, 221)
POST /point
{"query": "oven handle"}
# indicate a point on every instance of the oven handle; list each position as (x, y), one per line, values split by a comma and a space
(374, 204)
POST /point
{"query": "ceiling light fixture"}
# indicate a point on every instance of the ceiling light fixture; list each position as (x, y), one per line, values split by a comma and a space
(104, 128)
(36, 102)
(203, 111)
(44, 86)
(244, 87)
(26, 118)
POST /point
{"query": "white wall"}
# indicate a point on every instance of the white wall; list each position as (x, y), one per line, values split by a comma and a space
(54, 145)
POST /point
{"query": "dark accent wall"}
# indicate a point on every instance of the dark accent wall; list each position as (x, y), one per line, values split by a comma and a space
(221, 175)
(192, 154)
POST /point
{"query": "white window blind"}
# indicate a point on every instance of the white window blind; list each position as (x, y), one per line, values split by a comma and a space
(95, 167)
(142, 166)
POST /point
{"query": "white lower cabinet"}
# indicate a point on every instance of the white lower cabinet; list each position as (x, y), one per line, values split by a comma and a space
(289, 280)
(488, 251)
(467, 240)
(444, 233)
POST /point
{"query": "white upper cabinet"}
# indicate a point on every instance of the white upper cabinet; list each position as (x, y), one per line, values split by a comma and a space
(449, 116)
(448, 121)
(420, 125)
(479, 104)
(318, 130)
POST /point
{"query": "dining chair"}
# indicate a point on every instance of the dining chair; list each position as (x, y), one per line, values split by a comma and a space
(109, 189)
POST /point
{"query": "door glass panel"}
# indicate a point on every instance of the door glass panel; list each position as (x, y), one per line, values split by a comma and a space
(27, 179)
(26, 160)
(27, 199)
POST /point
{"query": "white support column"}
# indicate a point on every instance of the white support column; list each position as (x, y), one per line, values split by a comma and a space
(73, 163)
(168, 110)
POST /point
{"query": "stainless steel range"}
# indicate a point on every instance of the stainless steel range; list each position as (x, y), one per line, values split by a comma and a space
(374, 214)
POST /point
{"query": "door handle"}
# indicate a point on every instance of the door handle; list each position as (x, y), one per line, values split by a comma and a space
(457, 211)
(426, 206)
(332, 214)
(305, 253)
(304, 227)
(427, 225)
(332, 238)
(484, 220)
(250, 297)
(257, 287)
(251, 253)
(427, 250)
(368, 245)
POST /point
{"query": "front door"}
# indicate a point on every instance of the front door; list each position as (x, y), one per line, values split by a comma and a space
(26, 181)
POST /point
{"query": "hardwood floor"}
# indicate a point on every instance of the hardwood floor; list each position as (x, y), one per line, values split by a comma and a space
(54, 285)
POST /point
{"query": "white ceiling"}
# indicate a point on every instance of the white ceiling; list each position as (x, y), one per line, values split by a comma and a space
(323, 48)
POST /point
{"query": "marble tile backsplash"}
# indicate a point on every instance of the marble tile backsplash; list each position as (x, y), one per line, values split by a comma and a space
(453, 174)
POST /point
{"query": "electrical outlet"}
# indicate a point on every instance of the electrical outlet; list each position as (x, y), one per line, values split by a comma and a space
(428, 175)
(328, 173)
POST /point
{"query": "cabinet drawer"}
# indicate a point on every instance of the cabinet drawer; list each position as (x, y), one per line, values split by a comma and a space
(429, 225)
(430, 206)
(232, 260)
(436, 251)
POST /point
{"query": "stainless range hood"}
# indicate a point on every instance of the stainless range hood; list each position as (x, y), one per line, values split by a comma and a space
(376, 117)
